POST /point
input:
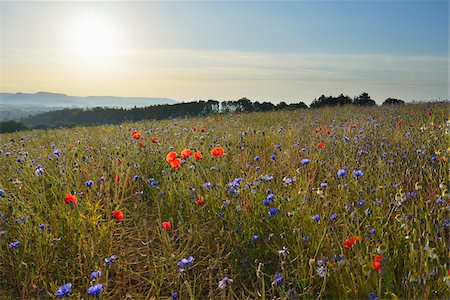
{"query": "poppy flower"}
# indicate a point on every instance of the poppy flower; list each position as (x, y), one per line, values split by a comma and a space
(69, 145)
(428, 113)
(217, 151)
(117, 178)
(399, 122)
(71, 199)
(176, 163)
(200, 202)
(155, 139)
(117, 214)
(186, 153)
(171, 156)
(377, 257)
(137, 135)
(320, 145)
(376, 266)
(166, 226)
(328, 131)
(203, 129)
(141, 144)
(357, 238)
(348, 243)
(198, 155)
(194, 129)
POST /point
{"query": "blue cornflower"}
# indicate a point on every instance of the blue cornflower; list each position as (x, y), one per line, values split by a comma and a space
(440, 201)
(273, 157)
(42, 226)
(95, 290)
(358, 173)
(373, 296)
(224, 282)
(207, 185)
(14, 245)
(270, 197)
(361, 203)
(96, 274)
(322, 271)
(266, 202)
(305, 161)
(323, 185)
(39, 170)
(64, 290)
(174, 296)
(316, 218)
(136, 177)
(89, 183)
(255, 238)
(306, 239)
(257, 158)
(278, 278)
(341, 172)
(57, 152)
(1, 192)
(273, 211)
(185, 262)
(333, 217)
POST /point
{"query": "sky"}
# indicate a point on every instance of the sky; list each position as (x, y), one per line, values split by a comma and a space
(263, 50)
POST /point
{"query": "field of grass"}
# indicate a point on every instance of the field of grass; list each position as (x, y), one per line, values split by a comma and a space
(345, 203)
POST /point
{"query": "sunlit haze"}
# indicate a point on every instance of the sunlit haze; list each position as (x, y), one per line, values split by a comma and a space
(265, 51)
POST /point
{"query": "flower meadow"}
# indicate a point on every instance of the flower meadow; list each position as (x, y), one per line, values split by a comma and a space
(333, 203)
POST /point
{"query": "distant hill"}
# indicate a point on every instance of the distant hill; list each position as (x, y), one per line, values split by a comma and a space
(20, 105)
(62, 100)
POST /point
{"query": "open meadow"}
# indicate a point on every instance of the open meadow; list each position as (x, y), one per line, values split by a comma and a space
(332, 203)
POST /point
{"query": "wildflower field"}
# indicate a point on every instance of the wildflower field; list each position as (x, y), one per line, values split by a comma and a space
(333, 203)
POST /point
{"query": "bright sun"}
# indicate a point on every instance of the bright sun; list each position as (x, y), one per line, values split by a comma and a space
(92, 38)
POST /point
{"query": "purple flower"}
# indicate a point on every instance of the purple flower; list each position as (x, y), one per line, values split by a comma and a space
(257, 158)
(14, 245)
(316, 218)
(440, 201)
(273, 211)
(57, 152)
(95, 290)
(358, 173)
(174, 296)
(96, 274)
(255, 238)
(273, 157)
(278, 278)
(64, 290)
(207, 185)
(333, 217)
(89, 183)
(110, 260)
(136, 177)
(306, 239)
(185, 262)
(305, 161)
(224, 282)
(341, 172)
(42, 226)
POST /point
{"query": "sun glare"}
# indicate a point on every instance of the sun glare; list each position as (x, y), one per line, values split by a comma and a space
(93, 38)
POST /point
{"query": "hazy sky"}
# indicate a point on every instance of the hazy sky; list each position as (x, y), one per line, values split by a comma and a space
(266, 51)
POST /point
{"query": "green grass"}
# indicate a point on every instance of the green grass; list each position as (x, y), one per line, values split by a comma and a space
(220, 237)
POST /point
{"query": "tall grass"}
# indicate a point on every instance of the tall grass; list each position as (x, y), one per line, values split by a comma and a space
(399, 203)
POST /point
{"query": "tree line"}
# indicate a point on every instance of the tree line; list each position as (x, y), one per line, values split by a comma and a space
(70, 117)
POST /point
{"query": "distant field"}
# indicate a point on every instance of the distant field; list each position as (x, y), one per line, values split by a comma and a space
(344, 203)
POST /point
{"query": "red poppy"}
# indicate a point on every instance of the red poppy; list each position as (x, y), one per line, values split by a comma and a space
(328, 131)
(200, 202)
(137, 135)
(203, 129)
(186, 153)
(155, 139)
(71, 199)
(171, 156)
(117, 178)
(117, 214)
(141, 144)
(176, 163)
(198, 155)
(377, 257)
(217, 151)
(399, 122)
(357, 238)
(428, 113)
(320, 145)
(69, 145)
(194, 129)
(376, 266)
(348, 243)
(166, 226)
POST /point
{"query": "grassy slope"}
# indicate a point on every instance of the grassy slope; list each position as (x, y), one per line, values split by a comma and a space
(219, 236)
